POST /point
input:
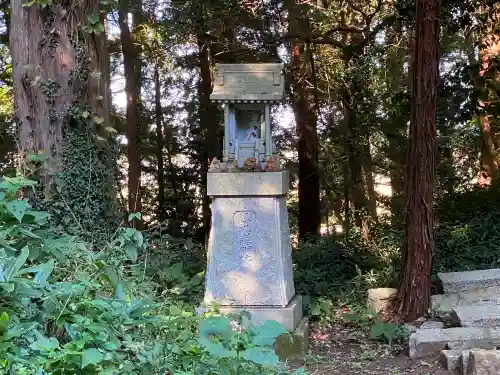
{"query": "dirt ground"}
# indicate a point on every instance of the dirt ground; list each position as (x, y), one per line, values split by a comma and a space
(342, 350)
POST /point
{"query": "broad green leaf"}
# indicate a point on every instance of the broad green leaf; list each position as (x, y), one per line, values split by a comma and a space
(4, 322)
(131, 251)
(14, 184)
(8, 287)
(2, 196)
(41, 271)
(268, 332)
(25, 289)
(17, 208)
(210, 330)
(216, 325)
(134, 215)
(39, 217)
(261, 356)
(91, 356)
(175, 310)
(13, 268)
(111, 276)
(28, 233)
(20, 329)
(44, 344)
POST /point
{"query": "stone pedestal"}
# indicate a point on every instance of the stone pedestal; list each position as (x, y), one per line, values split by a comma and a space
(249, 255)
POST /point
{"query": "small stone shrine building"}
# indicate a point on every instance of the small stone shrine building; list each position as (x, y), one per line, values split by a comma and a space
(249, 255)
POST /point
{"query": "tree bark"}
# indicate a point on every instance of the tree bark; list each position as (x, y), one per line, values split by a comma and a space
(209, 124)
(418, 246)
(369, 180)
(397, 120)
(489, 50)
(159, 147)
(131, 64)
(61, 82)
(45, 64)
(354, 151)
(305, 111)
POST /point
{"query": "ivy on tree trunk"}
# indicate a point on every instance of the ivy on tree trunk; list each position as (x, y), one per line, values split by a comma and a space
(60, 74)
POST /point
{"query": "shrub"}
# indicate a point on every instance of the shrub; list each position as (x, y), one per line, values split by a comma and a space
(468, 231)
(65, 309)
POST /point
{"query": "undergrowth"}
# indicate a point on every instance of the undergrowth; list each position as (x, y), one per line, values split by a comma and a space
(68, 307)
(336, 271)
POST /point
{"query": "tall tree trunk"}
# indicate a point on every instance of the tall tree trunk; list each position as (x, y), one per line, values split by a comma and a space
(396, 120)
(209, 123)
(354, 151)
(62, 103)
(418, 246)
(346, 181)
(159, 146)
(369, 180)
(489, 49)
(303, 104)
(131, 66)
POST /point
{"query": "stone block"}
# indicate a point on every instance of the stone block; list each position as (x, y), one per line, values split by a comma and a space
(477, 315)
(451, 359)
(411, 328)
(379, 298)
(432, 324)
(454, 282)
(288, 316)
(294, 346)
(484, 362)
(426, 342)
(465, 361)
(248, 184)
(473, 344)
(442, 304)
(249, 253)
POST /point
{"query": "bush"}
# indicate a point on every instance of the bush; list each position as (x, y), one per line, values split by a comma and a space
(336, 264)
(468, 231)
(65, 309)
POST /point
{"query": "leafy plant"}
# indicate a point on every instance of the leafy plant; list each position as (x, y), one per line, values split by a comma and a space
(390, 333)
(387, 332)
(67, 307)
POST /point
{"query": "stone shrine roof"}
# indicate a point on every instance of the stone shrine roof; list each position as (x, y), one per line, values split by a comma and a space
(248, 83)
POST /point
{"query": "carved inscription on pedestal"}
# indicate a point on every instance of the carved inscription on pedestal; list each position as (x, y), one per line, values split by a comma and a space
(244, 234)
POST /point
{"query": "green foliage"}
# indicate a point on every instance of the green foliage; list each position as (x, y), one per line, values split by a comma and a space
(389, 333)
(342, 265)
(468, 233)
(41, 3)
(82, 203)
(67, 310)
(94, 25)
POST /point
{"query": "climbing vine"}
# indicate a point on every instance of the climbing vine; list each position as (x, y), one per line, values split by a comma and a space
(81, 195)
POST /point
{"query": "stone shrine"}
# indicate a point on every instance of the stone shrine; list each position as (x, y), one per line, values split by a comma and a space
(249, 253)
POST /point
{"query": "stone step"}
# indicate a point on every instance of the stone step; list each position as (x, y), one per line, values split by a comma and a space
(456, 360)
(426, 342)
(470, 362)
(454, 282)
(444, 303)
(483, 362)
(477, 315)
